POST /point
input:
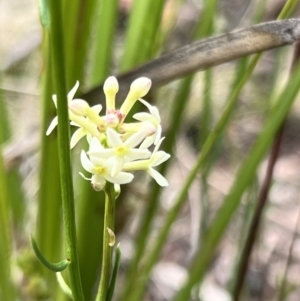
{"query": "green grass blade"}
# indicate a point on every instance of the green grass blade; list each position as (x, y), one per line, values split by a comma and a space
(78, 18)
(143, 26)
(81, 43)
(49, 226)
(6, 288)
(105, 29)
(90, 224)
(243, 179)
(64, 149)
(288, 9)
(70, 10)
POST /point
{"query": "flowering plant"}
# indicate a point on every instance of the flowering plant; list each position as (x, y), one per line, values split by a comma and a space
(116, 148)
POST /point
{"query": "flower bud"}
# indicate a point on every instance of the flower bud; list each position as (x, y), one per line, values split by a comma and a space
(139, 88)
(110, 88)
(79, 107)
(111, 120)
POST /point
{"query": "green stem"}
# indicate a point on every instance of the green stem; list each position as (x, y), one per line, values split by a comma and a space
(6, 288)
(109, 222)
(64, 149)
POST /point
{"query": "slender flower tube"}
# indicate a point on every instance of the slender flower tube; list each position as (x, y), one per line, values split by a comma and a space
(110, 88)
(138, 89)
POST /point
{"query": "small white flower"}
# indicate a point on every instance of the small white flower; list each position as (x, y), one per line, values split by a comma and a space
(101, 172)
(151, 123)
(120, 151)
(157, 158)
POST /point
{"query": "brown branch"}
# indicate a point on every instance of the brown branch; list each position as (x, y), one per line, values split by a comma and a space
(209, 52)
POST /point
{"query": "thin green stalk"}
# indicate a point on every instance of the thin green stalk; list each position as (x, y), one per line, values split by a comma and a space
(243, 178)
(205, 125)
(6, 288)
(206, 29)
(288, 9)
(109, 222)
(64, 149)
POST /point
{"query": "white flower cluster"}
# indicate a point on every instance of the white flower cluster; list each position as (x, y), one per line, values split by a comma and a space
(116, 148)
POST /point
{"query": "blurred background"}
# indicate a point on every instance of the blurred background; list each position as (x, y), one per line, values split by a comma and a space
(22, 65)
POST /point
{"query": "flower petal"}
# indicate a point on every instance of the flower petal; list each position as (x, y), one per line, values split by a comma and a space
(95, 145)
(142, 116)
(157, 145)
(97, 162)
(97, 108)
(158, 134)
(147, 142)
(117, 165)
(135, 139)
(52, 125)
(138, 154)
(103, 153)
(159, 157)
(120, 178)
(113, 138)
(74, 123)
(86, 163)
(54, 98)
(160, 180)
(72, 93)
(152, 109)
(78, 134)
